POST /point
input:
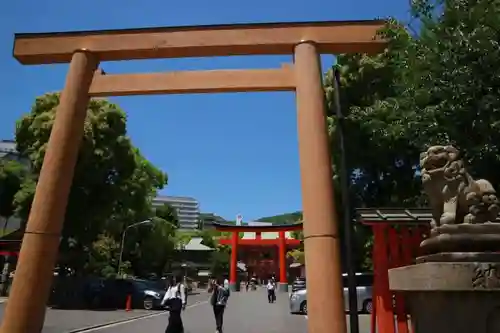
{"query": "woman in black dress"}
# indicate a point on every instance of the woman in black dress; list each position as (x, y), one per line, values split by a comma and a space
(175, 301)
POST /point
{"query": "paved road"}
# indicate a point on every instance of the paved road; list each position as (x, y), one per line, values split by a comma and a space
(64, 321)
(246, 313)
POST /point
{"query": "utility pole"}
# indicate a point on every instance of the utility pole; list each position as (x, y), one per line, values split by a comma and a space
(344, 186)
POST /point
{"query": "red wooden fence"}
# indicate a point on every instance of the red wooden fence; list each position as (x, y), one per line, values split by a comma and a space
(397, 236)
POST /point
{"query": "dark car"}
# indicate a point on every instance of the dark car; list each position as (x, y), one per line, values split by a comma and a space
(113, 293)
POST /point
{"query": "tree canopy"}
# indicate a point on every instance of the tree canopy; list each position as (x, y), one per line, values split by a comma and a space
(437, 85)
(113, 183)
(12, 177)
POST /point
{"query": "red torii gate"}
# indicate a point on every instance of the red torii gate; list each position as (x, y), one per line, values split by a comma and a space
(282, 242)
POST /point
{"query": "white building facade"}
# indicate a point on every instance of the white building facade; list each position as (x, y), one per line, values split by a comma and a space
(8, 151)
(187, 209)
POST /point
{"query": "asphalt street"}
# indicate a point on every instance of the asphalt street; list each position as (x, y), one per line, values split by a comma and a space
(247, 312)
(65, 321)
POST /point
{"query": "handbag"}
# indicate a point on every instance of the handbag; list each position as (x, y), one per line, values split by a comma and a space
(175, 303)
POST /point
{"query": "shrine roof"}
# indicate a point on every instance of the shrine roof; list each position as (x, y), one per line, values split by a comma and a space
(195, 244)
(394, 214)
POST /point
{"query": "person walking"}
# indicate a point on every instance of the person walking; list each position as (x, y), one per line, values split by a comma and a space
(218, 300)
(175, 301)
(271, 293)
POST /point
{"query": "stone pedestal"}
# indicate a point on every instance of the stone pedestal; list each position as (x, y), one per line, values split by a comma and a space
(234, 286)
(451, 297)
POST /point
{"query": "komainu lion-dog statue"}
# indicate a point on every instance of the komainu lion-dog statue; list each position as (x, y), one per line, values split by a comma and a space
(455, 197)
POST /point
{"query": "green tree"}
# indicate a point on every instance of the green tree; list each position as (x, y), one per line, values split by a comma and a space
(297, 255)
(378, 119)
(167, 213)
(113, 183)
(456, 97)
(153, 248)
(436, 87)
(182, 238)
(103, 257)
(12, 176)
(209, 237)
(220, 259)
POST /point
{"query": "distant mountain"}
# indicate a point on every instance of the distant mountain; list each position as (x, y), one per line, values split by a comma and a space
(283, 218)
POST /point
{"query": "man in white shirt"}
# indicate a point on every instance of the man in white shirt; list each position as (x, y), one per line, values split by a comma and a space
(271, 293)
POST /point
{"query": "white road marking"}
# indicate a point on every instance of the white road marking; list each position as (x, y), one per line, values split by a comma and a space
(136, 319)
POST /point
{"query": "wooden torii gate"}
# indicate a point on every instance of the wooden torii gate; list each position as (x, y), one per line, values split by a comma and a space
(84, 51)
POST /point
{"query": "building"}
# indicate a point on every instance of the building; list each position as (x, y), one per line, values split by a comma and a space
(207, 220)
(187, 209)
(8, 151)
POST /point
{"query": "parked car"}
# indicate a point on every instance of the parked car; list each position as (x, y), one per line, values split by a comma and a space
(298, 284)
(364, 287)
(113, 294)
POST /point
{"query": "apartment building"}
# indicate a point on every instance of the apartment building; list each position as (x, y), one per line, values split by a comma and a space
(187, 208)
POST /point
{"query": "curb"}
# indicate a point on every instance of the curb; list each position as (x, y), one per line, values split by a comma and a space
(87, 328)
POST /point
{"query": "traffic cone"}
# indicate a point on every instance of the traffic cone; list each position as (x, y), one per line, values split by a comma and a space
(128, 304)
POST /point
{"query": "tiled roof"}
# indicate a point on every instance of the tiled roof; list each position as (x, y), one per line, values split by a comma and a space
(196, 245)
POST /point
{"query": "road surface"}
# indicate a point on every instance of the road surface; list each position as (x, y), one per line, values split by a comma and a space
(247, 312)
(65, 321)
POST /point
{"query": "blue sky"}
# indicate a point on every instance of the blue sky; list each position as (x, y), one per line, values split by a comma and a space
(235, 153)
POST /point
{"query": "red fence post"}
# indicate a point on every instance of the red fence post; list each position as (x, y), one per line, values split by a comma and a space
(383, 296)
(398, 233)
(396, 260)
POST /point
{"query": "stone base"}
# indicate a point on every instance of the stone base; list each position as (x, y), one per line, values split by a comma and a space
(454, 297)
(234, 286)
(283, 287)
(473, 257)
(463, 238)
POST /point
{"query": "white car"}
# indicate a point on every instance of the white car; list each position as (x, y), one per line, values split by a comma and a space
(364, 288)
